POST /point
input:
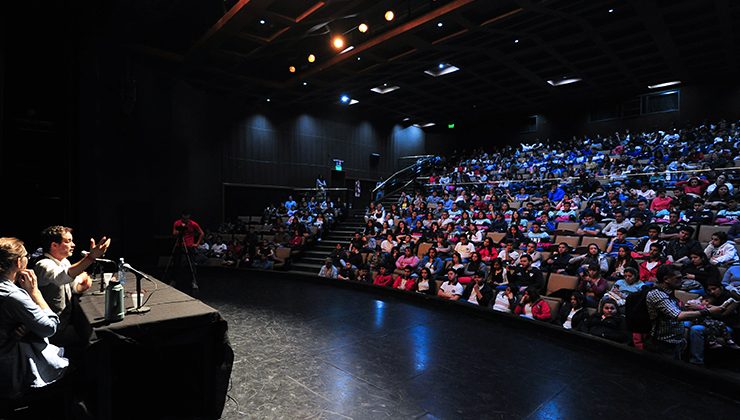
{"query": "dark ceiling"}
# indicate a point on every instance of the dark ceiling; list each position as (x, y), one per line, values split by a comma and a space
(507, 50)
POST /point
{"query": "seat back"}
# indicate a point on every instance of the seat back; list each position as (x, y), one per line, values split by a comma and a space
(554, 304)
(572, 241)
(568, 227)
(706, 231)
(601, 242)
(561, 281)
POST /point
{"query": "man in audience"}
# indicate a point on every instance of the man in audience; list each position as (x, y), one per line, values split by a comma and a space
(589, 227)
(59, 280)
(643, 247)
(464, 248)
(383, 278)
(560, 259)
(524, 275)
(451, 289)
(670, 230)
(699, 214)
(678, 249)
(477, 291)
(667, 335)
(619, 222)
(649, 267)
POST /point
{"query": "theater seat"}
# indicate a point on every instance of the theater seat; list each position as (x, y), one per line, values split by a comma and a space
(558, 282)
(554, 304)
(706, 232)
(572, 241)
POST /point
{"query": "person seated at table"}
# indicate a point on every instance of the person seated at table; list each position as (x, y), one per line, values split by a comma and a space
(59, 280)
(532, 306)
(27, 359)
(607, 323)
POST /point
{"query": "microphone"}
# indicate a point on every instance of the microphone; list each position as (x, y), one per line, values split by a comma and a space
(128, 267)
(86, 253)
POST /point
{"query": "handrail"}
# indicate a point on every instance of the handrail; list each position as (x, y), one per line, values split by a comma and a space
(548, 180)
(382, 184)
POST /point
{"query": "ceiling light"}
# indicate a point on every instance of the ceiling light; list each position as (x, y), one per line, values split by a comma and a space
(389, 15)
(305, 83)
(362, 28)
(311, 58)
(359, 58)
(406, 119)
(268, 99)
(350, 48)
(262, 22)
(384, 89)
(344, 99)
(338, 42)
(441, 69)
(291, 69)
(353, 101)
(440, 24)
(561, 82)
(665, 84)
(611, 10)
(431, 124)
(516, 41)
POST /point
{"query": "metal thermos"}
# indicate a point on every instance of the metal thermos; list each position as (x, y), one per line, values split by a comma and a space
(114, 305)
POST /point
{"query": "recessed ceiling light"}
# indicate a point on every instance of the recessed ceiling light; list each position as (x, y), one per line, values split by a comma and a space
(516, 41)
(344, 99)
(268, 99)
(611, 10)
(389, 15)
(337, 42)
(441, 69)
(353, 101)
(440, 24)
(431, 124)
(362, 28)
(406, 119)
(311, 58)
(291, 69)
(262, 22)
(305, 83)
(384, 89)
(350, 48)
(564, 81)
(665, 84)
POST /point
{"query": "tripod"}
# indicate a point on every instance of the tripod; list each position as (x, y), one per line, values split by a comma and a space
(178, 248)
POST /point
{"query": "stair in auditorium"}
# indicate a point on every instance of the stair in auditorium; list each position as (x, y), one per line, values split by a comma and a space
(314, 256)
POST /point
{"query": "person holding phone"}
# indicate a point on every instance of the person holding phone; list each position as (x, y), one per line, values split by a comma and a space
(27, 360)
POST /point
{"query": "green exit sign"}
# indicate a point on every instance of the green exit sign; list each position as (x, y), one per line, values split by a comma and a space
(451, 125)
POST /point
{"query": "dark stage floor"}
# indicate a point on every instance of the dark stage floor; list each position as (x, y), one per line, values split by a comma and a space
(307, 350)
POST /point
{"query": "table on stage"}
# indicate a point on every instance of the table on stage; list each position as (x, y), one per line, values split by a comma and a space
(173, 361)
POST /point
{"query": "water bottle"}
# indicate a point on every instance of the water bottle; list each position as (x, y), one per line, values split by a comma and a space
(121, 272)
(114, 309)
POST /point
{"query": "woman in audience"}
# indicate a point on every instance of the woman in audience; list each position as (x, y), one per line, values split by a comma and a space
(473, 266)
(573, 312)
(592, 285)
(504, 300)
(487, 251)
(623, 261)
(607, 323)
(516, 220)
(532, 306)
(433, 263)
(498, 275)
(27, 360)
(388, 244)
(699, 272)
(515, 236)
(426, 283)
(629, 284)
(456, 264)
(592, 256)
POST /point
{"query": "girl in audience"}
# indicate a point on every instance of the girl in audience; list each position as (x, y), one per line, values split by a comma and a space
(515, 237)
(592, 256)
(487, 251)
(499, 275)
(607, 323)
(426, 283)
(433, 263)
(573, 312)
(629, 284)
(699, 271)
(516, 220)
(504, 301)
(473, 266)
(592, 285)
(623, 261)
(456, 264)
(532, 306)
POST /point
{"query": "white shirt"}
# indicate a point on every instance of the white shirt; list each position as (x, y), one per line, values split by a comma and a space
(455, 289)
(568, 322)
(502, 303)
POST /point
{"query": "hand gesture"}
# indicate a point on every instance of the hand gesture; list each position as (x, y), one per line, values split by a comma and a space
(27, 281)
(99, 249)
(85, 283)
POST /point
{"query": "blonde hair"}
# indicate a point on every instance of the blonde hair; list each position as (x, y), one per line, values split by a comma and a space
(10, 250)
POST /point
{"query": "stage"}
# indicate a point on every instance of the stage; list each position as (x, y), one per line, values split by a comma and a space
(303, 349)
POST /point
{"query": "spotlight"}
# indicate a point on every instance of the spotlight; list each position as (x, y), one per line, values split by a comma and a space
(439, 24)
(389, 15)
(516, 41)
(344, 99)
(359, 58)
(338, 42)
(311, 58)
(611, 10)
(362, 28)
(291, 69)
(262, 22)
(305, 83)
(268, 99)
(441, 65)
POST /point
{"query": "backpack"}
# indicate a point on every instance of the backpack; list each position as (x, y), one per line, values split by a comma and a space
(636, 311)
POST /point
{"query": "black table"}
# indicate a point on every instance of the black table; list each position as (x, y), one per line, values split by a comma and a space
(174, 361)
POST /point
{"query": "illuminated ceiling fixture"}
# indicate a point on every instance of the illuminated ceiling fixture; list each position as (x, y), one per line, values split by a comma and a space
(389, 15)
(346, 100)
(311, 58)
(431, 124)
(291, 69)
(441, 69)
(350, 48)
(440, 24)
(665, 84)
(337, 42)
(565, 81)
(362, 28)
(384, 88)
(262, 22)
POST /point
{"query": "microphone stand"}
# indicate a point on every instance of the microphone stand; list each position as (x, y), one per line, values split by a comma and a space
(100, 262)
(139, 275)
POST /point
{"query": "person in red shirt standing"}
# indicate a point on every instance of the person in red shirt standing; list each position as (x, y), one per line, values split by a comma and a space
(188, 236)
